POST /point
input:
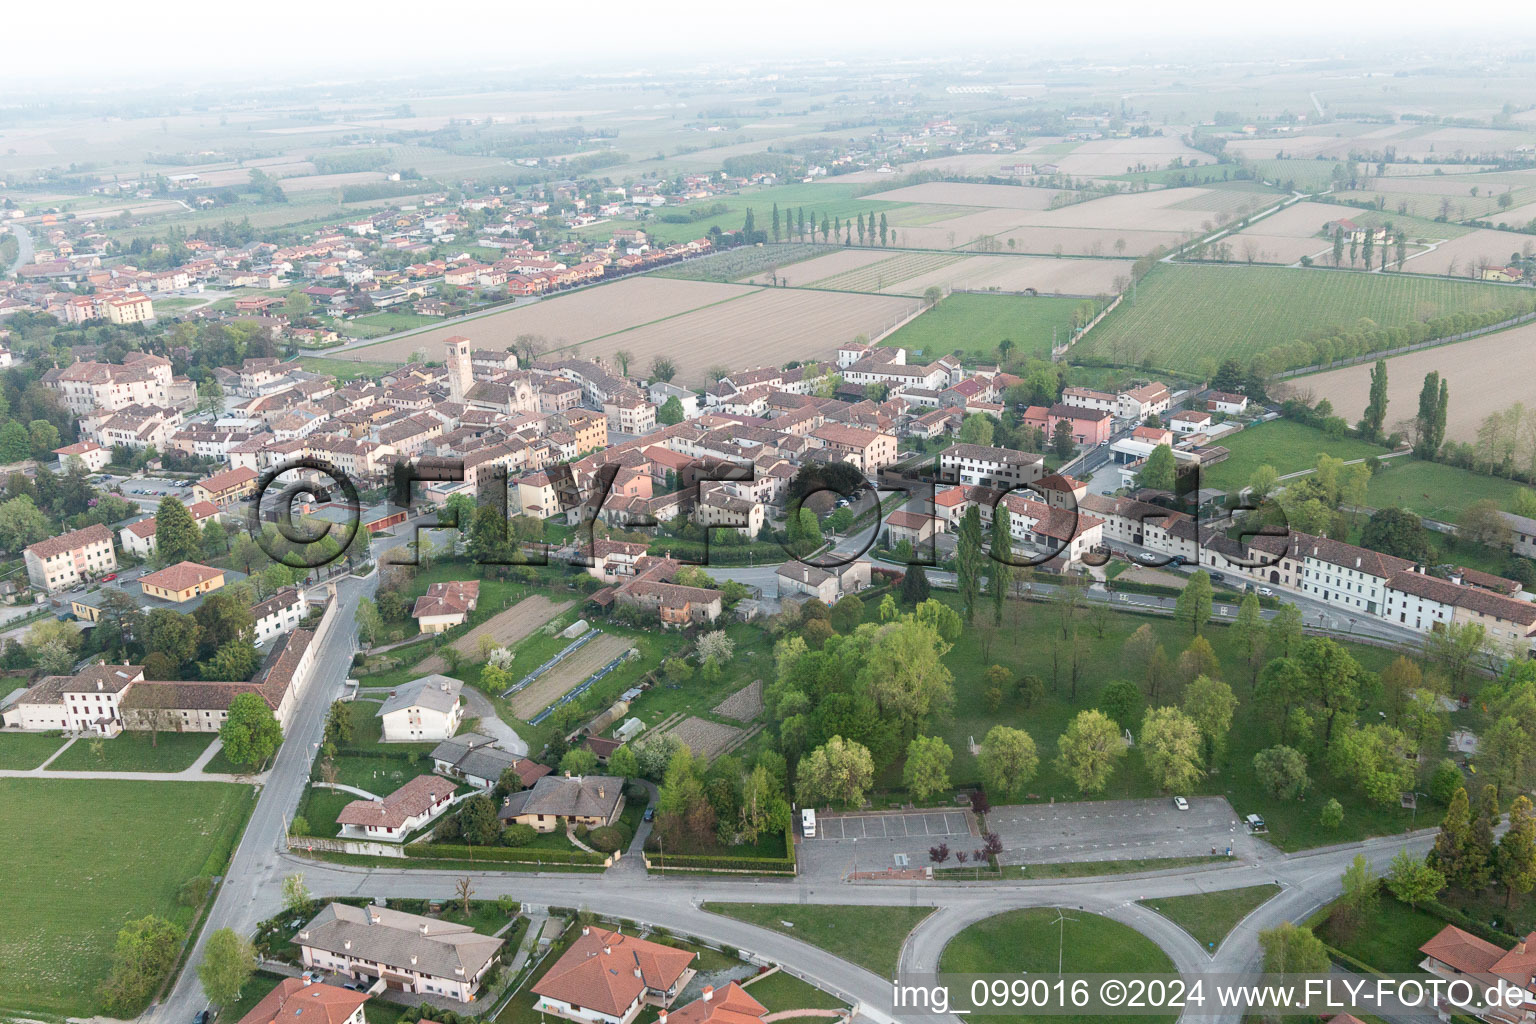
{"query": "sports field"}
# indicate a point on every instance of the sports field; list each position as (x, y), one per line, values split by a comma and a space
(1185, 317)
(83, 858)
(975, 324)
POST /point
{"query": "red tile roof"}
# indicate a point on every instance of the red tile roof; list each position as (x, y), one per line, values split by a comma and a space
(297, 1003)
(599, 971)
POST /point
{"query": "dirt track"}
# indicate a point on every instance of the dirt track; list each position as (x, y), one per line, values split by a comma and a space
(508, 627)
(553, 684)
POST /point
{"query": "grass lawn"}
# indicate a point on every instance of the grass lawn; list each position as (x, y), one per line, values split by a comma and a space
(868, 936)
(1024, 646)
(1209, 916)
(398, 321)
(974, 324)
(129, 846)
(1031, 940)
(134, 752)
(1286, 445)
(345, 369)
(753, 659)
(1388, 938)
(1189, 318)
(779, 992)
(1435, 490)
(23, 751)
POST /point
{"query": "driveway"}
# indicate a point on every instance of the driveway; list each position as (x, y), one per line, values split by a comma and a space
(480, 706)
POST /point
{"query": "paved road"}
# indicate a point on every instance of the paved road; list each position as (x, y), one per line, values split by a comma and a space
(24, 248)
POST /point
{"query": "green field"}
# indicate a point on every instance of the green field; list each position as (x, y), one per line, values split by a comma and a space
(878, 276)
(24, 751)
(135, 752)
(868, 936)
(780, 992)
(1388, 938)
(821, 200)
(399, 321)
(1288, 446)
(1189, 318)
(86, 857)
(974, 324)
(1436, 490)
(345, 369)
(1209, 916)
(1031, 941)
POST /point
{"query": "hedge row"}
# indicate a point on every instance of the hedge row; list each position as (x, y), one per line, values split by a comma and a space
(1461, 920)
(450, 851)
(729, 863)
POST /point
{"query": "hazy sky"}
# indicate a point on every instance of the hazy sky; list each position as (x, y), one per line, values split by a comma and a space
(49, 47)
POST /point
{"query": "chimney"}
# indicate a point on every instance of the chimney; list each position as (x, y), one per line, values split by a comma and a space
(424, 927)
(599, 792)
(413, 959)
(346, 944)
(586, 930)
(373, 916)
(661, 1018)
(567, 774)
(304, 935)
(709, 992)
(607, 950)
(98, 684)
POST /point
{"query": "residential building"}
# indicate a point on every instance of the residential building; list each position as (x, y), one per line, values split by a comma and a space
(1226, 402)
(392, 818)
(279, 614)
(557, 800)
(979, 465)
(1087, 398)
(606, 977)
(869, 450)
(476, 759)
(729, 1005)
(1088, 426)
(827, 585)
(446, 605)
(1139, 403)
(409, 953)
(302, 1001)
(1190, 421)
(69, 559)
(423, 710)
(88, 455)
(226, 488)
(138, 537)
(181, 582)
(1459, 956)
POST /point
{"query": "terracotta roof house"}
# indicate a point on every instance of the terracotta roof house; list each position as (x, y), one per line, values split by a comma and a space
(295, 1001)
(1454, 953)
(226, 488)
(58, 563)
(729, 1005)
(446, 605)
(411, 954)
(394, 817)
(182, 581)
(591, 800)
(605, 977)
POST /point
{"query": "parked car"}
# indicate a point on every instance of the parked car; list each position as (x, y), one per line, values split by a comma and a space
(109, 577)
(1255, 823)
(1217, 577)
(650, 814)
(1181, 803)
(1266, 592)
(200, 1017)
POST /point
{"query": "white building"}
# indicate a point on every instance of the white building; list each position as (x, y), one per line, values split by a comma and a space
(423, 710)
(408, 953)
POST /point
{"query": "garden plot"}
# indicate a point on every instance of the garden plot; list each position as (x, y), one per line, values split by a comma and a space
(573, 318)
(745, 704)
(570, 673)
(953, 193)
(1461, 257)
(705, 738)
(775, 325)
(1476, 371)
(507, 628)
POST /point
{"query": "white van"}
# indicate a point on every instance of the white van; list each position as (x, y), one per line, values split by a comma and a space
(808, 823)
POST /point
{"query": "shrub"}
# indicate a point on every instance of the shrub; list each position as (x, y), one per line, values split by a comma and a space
(1333, 814)
(518, 835)
(606, 839)
(582, 832)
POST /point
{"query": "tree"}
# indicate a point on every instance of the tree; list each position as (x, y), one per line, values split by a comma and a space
(1396, 531)
(1088, 750)
(229, 960)
(623, 764)
(464, 888)
(914, 585)
(1453, 841)
(370, 624)
(1361, 889)
(172, 634)
(233, 662)
(671, 411)
(663, 369)
(250, 733)
(926, 771)
(1198, 659)
(803, 532)
(1483, 523)
(15, 443)
(1209, 703)
(21, 523)
(579, 761)
(1285, 632)
(1333, 814)
(976, 429)
(1007, 760)
(837, 772)
(1158, 473)
(1378, 758)
(1121, 701)
(1412, 879)
(1248, 635)
(144, 953)
(296, 895)
(1282, 770)
(1429, 423)
(1170, 742)
(1516, 855)
(848, 612)
(904, 674)
(1376, 409)
(1193, 608)
(1262, 484)
(970, 562)
(1062, 442)
(1292, 949)
(176, 536)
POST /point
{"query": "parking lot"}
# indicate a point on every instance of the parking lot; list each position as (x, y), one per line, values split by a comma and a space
(1031, 834)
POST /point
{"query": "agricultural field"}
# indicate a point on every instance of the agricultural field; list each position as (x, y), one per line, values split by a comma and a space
(771, 326)
(344, 368)
(1476, 371)
(552, 685)
(1119, 156)
(1188, 317)
(887, 274)
(572, 318)
(955, 193)
(705, 738)
(1436, 490)
(1017, 274)
(819, 268)
(751, 262)
(130, 845)
(743, 705)
(975, 324)
(1466, 255)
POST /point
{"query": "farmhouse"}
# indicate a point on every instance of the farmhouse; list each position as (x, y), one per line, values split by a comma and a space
(407, 952)
(826, 585)
(605, 977)
(391, 819)
(429, 708)
(554, 800)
